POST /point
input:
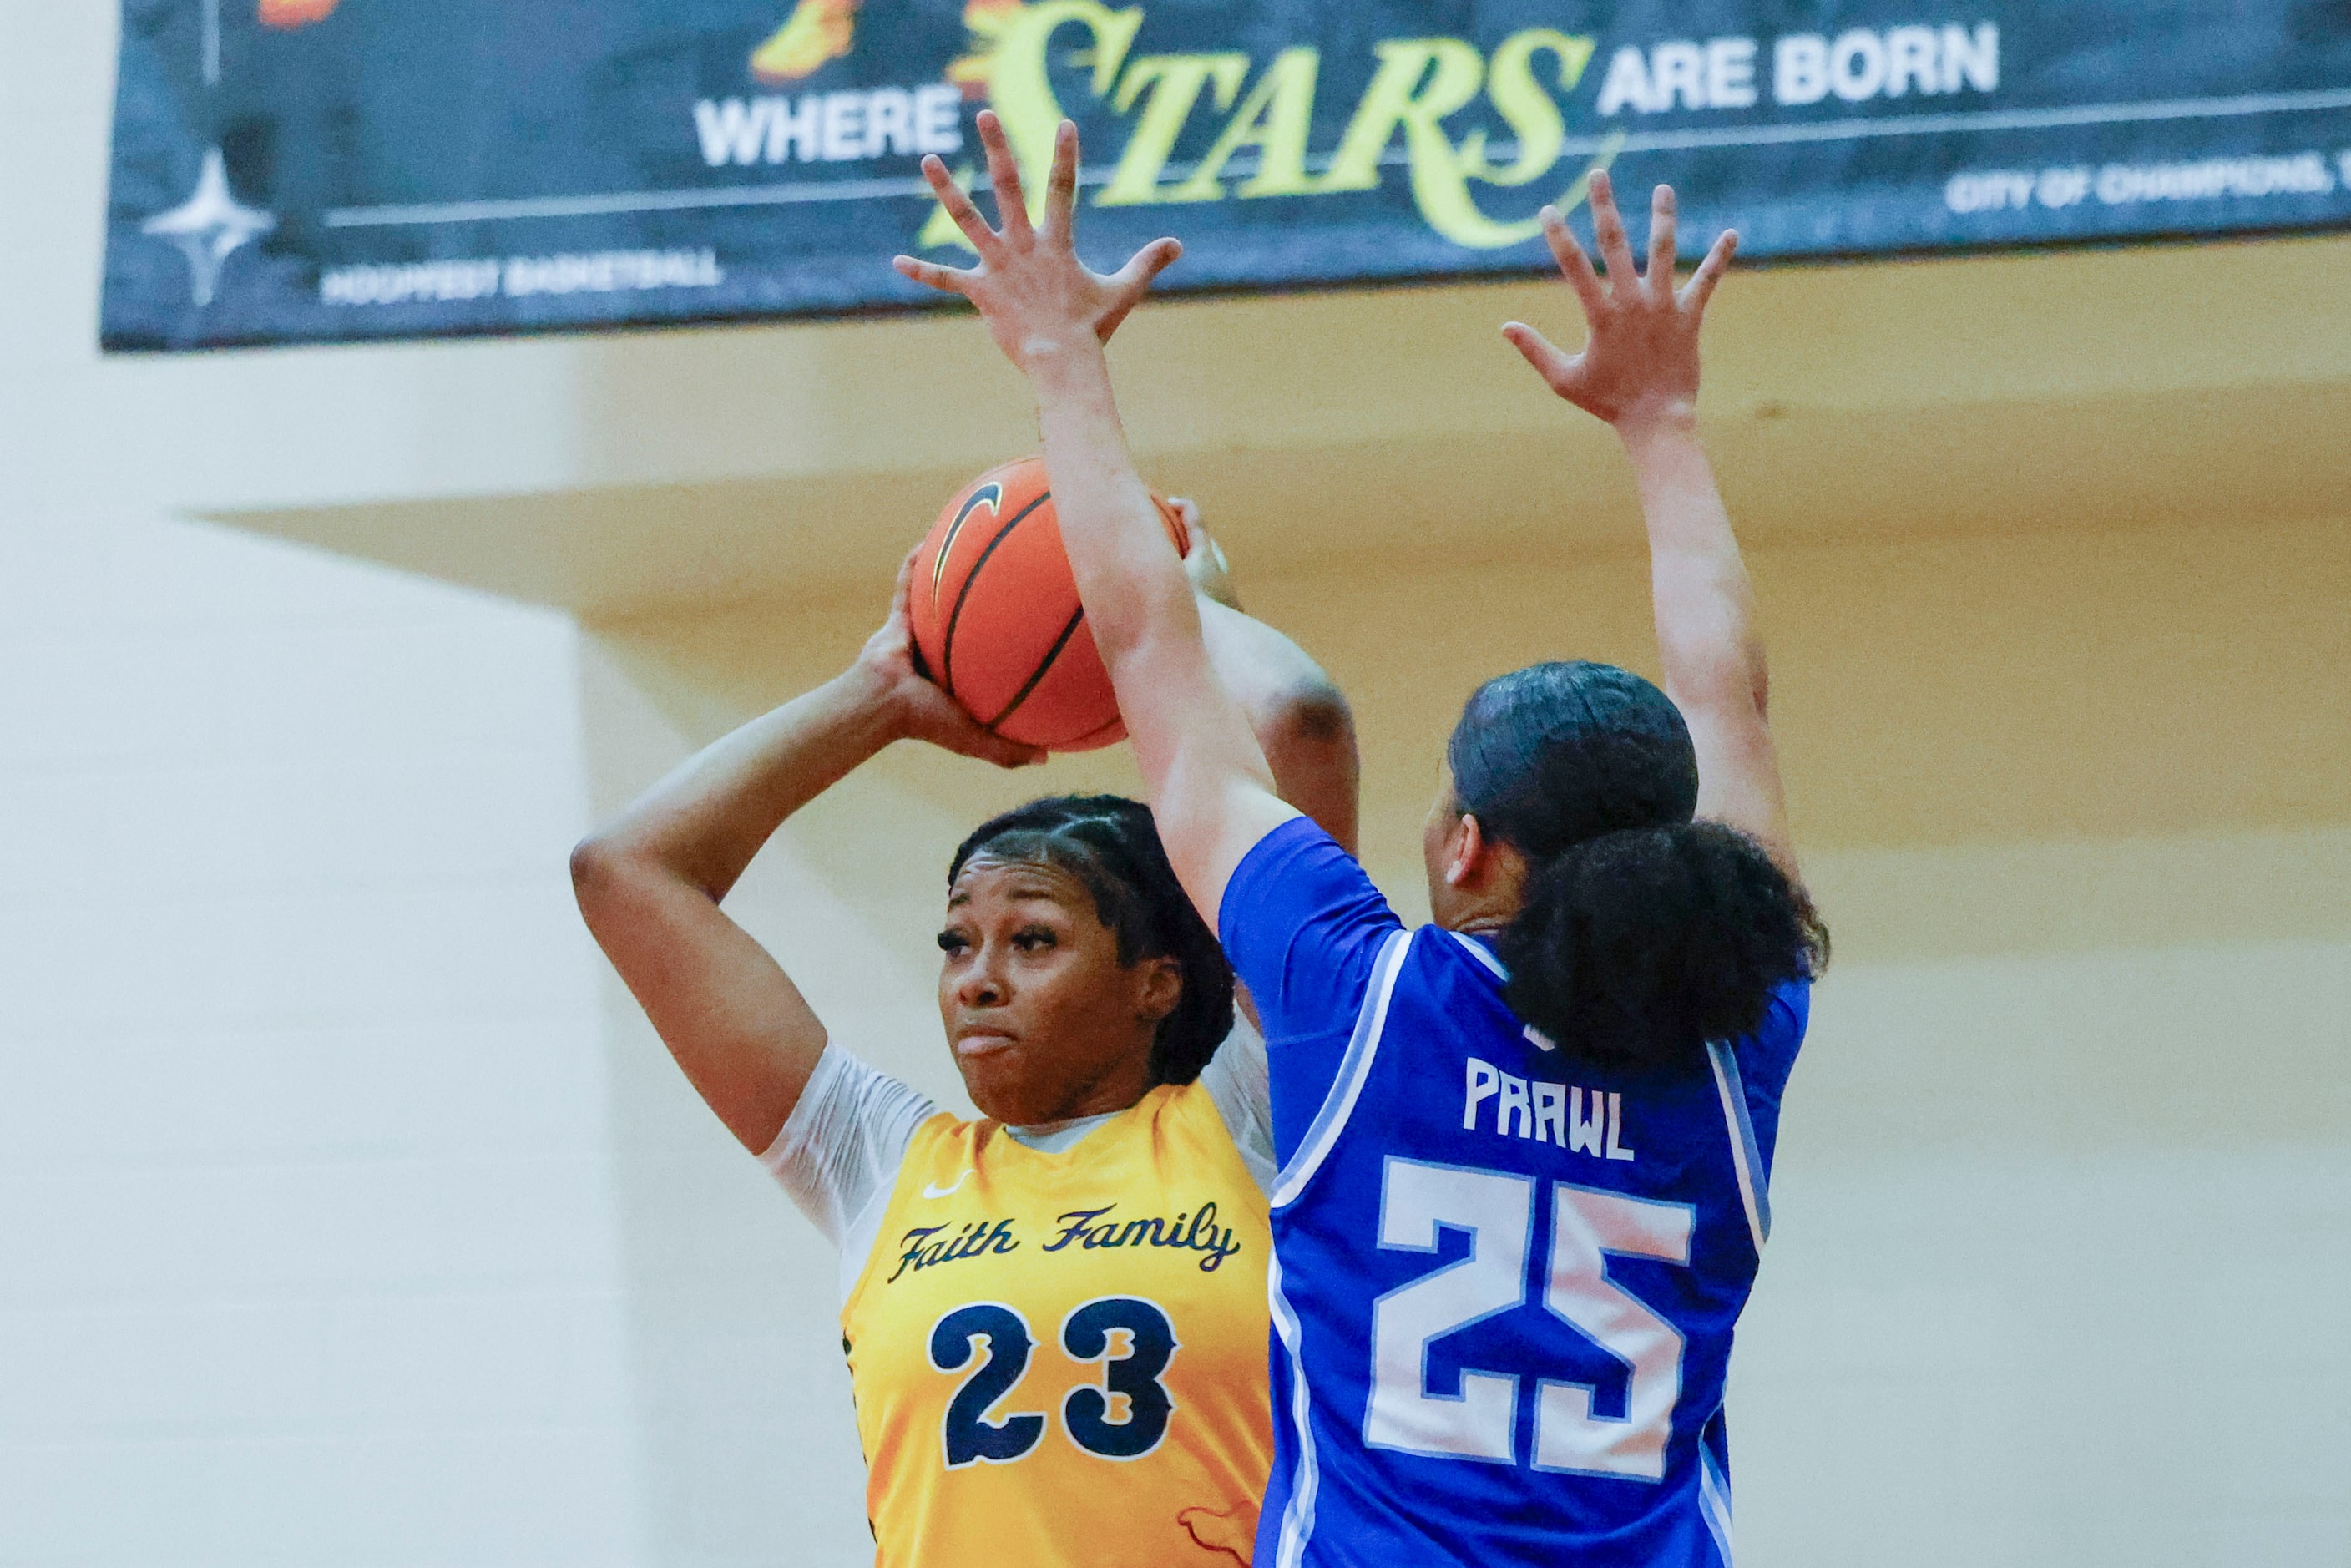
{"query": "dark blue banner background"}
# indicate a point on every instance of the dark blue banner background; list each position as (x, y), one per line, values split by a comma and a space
(308, 170)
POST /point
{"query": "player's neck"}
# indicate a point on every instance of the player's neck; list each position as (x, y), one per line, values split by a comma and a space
(1475, 911)
(1481, 926)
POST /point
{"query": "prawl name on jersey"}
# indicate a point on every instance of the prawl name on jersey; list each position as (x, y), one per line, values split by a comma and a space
(1546, 1112)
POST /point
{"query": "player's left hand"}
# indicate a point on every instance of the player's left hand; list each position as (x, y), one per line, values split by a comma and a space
(1038, 298)
(1640, 363)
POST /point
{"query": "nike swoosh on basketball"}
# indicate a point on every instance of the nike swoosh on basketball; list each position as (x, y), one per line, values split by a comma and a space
(932, 1189)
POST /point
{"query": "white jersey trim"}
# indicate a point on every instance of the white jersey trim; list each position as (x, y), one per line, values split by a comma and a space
(1714, 1501)
(1477, 950)
(1298, 1517)
(1753, 1192)
(1354, 1068)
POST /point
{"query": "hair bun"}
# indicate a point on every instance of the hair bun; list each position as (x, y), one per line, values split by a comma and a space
(1637, 948)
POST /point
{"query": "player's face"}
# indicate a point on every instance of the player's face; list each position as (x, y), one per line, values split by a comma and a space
(1044, 1022)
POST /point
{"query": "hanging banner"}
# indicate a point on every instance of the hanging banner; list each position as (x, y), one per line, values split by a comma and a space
(295, 171)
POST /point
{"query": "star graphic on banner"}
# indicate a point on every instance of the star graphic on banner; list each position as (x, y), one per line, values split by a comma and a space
(208, 227)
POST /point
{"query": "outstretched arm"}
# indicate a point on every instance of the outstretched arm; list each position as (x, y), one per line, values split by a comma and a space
(1639, 371)
(650, 884)
(1210, 788)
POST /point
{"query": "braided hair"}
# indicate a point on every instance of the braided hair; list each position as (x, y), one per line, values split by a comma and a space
(1112, 845)
(1644, 933)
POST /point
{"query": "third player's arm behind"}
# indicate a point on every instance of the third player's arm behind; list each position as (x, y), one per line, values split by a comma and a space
(1301, 718)
(1639, 371)
(1209, 786)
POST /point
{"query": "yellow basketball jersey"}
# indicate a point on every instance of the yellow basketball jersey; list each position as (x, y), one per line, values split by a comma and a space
(1060, 1359)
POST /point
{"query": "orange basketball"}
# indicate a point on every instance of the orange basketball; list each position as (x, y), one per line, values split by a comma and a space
(998, 620)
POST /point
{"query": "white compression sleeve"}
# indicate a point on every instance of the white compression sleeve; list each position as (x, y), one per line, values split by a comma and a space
(843, 1145)
(1236, 1079)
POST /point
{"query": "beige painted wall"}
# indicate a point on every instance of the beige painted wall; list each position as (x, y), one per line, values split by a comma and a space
(308, 1223)
(352, 1216)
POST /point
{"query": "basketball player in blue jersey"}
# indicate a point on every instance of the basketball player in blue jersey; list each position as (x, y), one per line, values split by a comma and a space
(1524, 1150)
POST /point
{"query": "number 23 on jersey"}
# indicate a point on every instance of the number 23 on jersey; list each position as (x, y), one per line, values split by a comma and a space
(1123, 1416)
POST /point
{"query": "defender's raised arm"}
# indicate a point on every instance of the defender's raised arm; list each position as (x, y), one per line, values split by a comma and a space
(1638, 370)
(1207, 779)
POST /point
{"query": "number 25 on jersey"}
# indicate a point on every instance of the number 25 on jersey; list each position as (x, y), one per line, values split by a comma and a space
(1497, 1209)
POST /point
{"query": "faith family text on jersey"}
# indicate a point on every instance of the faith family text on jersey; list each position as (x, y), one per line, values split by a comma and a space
(929, 1246)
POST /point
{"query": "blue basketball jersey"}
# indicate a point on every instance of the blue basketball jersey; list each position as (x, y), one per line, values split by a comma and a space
(1504, 1281)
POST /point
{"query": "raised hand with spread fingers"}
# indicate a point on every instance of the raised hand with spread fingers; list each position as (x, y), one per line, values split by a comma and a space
(1036, 295)
(1638, 370)
(1639, 361)
(1211, 787)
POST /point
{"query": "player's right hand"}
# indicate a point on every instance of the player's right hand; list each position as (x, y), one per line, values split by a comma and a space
(916, 708)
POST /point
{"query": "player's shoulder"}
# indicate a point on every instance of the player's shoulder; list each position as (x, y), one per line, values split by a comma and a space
(1298, 871)
(1459, 949)
(945, 1138)
(1462, 966)
(1767, 1054)
(1187, 1116)
(1786, 1018)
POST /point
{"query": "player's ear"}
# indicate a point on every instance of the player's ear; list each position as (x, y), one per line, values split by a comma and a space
(1468, 851)
(1162, 986)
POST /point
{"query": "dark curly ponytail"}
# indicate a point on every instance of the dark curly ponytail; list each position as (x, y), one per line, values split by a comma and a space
(1112, 845)
(1644, 934)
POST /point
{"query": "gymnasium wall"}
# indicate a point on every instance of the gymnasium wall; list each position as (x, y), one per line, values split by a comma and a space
(307, 1215)
(308, 1218)
(349, 1214)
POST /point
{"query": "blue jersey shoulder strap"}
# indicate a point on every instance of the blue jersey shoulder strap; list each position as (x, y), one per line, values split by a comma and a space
(1354, 1067)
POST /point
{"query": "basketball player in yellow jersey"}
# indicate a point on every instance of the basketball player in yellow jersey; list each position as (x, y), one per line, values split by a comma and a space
(1090, 1321)
(1055, 1317)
